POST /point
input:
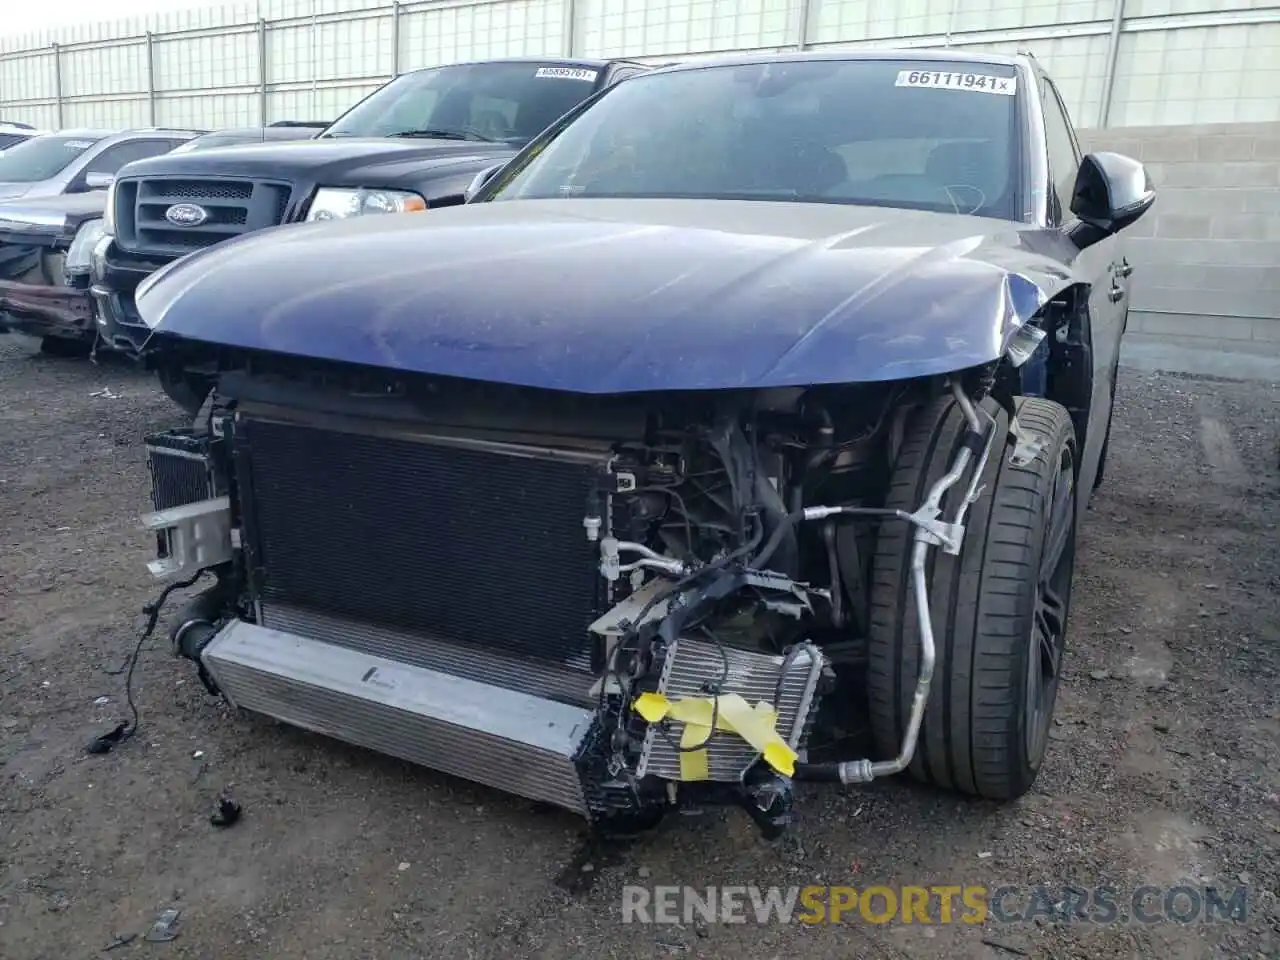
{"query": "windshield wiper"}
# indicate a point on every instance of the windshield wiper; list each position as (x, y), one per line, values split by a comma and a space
(464, 134)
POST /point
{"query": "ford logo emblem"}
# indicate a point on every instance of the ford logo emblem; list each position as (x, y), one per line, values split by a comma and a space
(186, 215)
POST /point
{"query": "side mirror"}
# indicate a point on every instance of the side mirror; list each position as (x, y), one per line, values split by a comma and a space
(99, 181)
(482, 178)
(1112, 191)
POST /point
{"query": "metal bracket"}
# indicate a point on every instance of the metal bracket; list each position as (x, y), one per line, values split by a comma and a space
(1026, 446)
(935, 532)
(192, 537)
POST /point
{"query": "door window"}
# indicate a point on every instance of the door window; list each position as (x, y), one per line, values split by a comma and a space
(1063, 151)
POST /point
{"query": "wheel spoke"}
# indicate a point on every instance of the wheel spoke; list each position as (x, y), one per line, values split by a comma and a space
(1051, 608)
(1050, 652)
(1059, 532)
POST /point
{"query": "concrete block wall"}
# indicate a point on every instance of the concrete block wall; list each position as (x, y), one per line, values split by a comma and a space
(1207, 256)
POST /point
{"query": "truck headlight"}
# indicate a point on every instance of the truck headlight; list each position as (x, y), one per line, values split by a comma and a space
(109, 212)
(331, 203)
(80, 256)
(98, 258)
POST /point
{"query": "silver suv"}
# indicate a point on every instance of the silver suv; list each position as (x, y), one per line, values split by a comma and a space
(77, 161)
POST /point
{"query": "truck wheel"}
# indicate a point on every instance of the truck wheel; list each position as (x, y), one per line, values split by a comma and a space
(999, 608)
(186, 390)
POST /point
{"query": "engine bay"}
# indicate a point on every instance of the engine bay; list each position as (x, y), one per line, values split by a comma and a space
(688, 572)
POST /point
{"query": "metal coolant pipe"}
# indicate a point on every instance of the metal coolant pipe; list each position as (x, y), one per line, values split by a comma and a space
(864, 771)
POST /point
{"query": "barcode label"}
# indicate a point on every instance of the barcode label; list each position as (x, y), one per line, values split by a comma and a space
(568, 73)
(980, 82)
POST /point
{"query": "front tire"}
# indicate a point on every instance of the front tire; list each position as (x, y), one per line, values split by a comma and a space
(999, 608)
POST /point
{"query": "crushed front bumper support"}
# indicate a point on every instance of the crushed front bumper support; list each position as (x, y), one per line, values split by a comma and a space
(63, 312)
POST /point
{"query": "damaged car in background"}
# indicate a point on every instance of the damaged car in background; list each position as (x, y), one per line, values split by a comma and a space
(47, 242)
(734, 435)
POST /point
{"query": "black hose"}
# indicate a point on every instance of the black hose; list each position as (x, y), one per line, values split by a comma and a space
(196, 625)
(785, 525)
(818, 772)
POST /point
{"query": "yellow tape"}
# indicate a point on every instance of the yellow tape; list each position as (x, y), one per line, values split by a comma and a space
(732, 714)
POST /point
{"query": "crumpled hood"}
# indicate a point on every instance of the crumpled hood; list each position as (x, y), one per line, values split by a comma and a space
(610, 296)
(62, 214)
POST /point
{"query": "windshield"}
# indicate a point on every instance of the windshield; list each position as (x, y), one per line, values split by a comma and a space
(922, 135)
(503, 102)
(40, 158)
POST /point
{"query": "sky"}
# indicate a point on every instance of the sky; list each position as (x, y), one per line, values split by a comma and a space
(24, 17)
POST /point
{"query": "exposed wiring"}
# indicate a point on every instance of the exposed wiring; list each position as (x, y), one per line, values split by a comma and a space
(126, 729)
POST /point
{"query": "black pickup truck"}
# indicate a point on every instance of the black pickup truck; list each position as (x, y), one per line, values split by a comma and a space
(412, 145)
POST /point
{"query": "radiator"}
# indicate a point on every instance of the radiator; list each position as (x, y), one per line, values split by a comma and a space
(418, 536)
(180, 469)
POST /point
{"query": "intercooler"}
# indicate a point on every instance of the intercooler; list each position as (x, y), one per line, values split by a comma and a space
(516, 742)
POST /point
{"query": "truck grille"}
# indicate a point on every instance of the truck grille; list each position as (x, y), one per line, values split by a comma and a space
(232, 207)
(464, 545)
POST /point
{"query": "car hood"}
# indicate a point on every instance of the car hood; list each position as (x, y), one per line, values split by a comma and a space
(60, 215)
(336, 161)
(608, 296)
(9, 190)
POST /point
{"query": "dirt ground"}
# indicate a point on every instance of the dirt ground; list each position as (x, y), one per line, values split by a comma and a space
(1165, 766)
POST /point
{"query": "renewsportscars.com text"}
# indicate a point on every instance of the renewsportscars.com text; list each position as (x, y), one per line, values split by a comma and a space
(936, 904)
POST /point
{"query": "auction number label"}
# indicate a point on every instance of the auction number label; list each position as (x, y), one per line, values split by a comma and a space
(568, 73)
(957, 81)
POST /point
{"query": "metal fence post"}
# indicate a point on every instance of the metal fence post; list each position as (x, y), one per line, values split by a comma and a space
(570, 27)
(57, 85)
(395, 39)
(1113, 55)
(151, 78)
(262, 72)
(803, 17)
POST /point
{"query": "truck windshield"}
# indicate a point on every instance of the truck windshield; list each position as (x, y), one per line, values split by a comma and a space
(504, 102)
(41, 158)
(926, 135)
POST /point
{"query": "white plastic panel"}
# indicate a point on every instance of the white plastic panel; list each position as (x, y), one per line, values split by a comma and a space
(1180, 61)
(1208, 75)
(205, 111)
(448, 34)
(113, 69)
(131, 112)
(835, 21)
(206, 61)
(1162, 8)
(649, 28)
(24, 78)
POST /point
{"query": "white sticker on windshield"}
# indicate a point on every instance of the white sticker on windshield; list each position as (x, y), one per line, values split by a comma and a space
(980, 82)
(78, 144)
(568, 73)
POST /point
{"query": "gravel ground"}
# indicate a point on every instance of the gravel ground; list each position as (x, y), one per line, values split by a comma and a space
(1165, 765)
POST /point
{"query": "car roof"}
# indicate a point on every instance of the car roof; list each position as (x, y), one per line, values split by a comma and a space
(92, 133)
(880, 53)
(590, 62)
